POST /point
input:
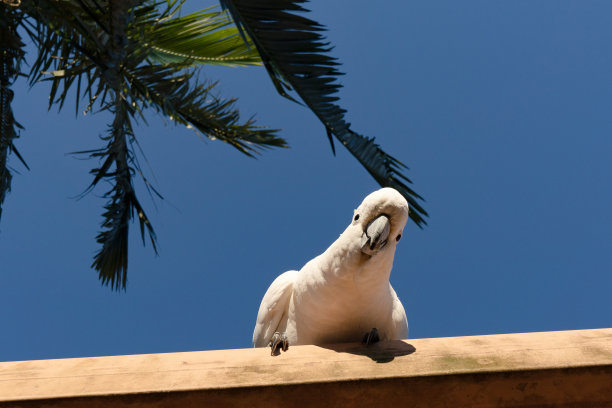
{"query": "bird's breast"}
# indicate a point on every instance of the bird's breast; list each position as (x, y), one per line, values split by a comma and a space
(337, 311)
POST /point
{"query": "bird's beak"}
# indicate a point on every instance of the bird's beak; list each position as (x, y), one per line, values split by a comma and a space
(375, 236)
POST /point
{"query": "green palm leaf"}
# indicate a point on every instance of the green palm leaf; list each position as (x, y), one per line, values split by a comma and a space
(204, 37)
(294, 53)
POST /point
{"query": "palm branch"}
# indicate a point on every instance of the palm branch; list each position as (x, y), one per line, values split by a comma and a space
(11, 57)
(295, 56)
(119, 56)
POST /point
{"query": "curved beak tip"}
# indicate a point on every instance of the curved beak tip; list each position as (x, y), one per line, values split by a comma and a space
(375, 235)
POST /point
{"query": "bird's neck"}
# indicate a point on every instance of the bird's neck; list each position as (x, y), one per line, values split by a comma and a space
(345, 261)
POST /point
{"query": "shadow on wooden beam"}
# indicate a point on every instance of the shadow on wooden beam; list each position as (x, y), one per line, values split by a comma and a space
(554, 369)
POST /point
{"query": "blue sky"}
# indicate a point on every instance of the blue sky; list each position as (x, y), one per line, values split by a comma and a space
(502, 111)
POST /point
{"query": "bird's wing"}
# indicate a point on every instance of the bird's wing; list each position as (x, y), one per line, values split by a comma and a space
(400, 322)
(273, 310)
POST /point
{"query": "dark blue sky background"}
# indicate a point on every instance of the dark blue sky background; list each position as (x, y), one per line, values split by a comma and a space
(502, 110)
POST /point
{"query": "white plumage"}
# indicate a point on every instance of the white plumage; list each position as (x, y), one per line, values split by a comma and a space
(342, 294)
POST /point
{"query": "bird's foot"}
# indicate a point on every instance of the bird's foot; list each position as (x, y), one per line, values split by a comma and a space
(371, 337)
(278, 342)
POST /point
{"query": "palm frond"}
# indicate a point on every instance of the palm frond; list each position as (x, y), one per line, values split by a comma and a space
(180, 97)
(203, 37)
(11, 56)
(295, 56)
(117, 167)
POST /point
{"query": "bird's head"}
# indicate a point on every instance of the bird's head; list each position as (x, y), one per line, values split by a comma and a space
(381, 218)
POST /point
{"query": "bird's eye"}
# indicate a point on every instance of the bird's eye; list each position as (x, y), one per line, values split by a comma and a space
(356, 217)
(398, 237)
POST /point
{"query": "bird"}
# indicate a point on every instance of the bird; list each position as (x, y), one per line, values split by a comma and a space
(344, 294)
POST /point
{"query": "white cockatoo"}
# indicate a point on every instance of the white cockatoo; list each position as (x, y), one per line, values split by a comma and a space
(344, 294)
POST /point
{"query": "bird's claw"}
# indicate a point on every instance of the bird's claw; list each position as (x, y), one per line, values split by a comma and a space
(371, 337)
(278, 342)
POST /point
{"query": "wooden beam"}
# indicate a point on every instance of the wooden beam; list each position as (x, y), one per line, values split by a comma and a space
(560, 369)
